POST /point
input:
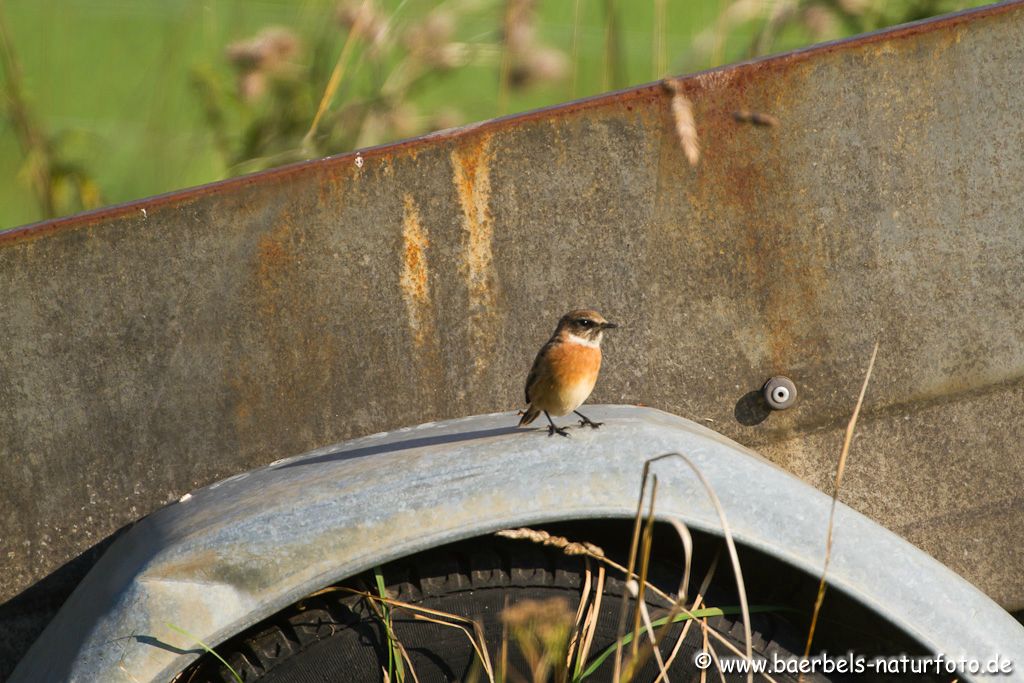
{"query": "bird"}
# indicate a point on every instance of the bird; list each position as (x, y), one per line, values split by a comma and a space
(565, 370)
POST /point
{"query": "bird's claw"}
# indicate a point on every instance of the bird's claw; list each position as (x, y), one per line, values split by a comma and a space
(552, 430)
(590, 423)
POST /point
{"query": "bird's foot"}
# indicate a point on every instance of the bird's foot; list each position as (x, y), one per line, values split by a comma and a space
(552, 430)
(587, 422)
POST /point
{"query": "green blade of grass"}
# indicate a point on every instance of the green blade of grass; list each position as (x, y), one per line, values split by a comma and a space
(207, 648)
(698, 614)
(395, 664)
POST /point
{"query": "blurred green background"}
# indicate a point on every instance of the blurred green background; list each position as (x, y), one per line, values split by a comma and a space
(105, 101)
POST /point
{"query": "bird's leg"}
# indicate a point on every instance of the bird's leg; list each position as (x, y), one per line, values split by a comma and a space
(552, 430)
(587, 422)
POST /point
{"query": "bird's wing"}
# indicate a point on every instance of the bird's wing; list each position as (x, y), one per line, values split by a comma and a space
(536, 369)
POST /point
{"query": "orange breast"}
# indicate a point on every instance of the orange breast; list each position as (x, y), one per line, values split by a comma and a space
(565, 377)
(573, 364)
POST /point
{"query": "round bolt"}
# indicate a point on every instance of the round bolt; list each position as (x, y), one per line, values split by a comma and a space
(779, 392)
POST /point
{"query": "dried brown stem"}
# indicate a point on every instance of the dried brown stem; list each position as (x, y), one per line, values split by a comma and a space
(840, 469)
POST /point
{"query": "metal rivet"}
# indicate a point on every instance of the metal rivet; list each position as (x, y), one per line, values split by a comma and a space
(779, 392)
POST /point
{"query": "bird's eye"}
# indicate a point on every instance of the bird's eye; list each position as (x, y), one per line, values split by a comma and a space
(586, 323)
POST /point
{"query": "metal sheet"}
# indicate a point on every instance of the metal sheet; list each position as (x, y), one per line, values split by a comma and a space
(158, 346)
(245, 548)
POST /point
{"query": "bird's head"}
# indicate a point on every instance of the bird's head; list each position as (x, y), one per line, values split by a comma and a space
(585, 323)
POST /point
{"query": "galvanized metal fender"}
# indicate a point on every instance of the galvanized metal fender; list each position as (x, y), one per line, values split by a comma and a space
(235, 552)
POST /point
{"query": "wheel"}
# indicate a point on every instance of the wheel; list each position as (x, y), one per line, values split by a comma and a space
(337, 636)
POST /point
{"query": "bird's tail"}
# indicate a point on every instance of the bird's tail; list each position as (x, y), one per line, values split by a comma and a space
(529, 416)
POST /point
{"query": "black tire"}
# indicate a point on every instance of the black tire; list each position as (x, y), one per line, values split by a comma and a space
(336, 636)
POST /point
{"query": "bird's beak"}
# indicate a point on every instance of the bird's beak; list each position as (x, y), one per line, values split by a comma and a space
(608, 326)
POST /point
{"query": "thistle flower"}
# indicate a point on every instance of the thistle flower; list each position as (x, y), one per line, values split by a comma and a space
(528, 62)
(820, 22)
(268, 53)
(363, 19)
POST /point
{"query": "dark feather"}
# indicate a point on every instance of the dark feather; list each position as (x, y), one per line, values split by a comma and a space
(532, 377)
(529, 416)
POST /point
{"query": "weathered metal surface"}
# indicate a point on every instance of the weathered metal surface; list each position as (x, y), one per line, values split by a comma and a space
(243, 549)
(155, 347)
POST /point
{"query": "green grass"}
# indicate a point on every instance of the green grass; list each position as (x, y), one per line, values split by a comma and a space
(208, 649)
(396, 668)
(112, 78)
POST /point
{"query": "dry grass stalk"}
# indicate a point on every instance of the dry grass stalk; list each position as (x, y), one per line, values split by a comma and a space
(405, 656)
(687, 540)
(714, 658)
(480, 648)
(702, 622)
(686, 125)
(706, 646)
(560, 542)
(543, 537)
(701, 592)
(633, 547)
(730, 545)
(485, 657)
(588, 581)
(578, 621)
(336, 75)
(637, 660)
(479, 643)
(427, 614)
(590, 623)
(755, 118)
(645, 564)
(678, 606)
(574, 548)
(394, 641)
(636, 589)
(840, 468)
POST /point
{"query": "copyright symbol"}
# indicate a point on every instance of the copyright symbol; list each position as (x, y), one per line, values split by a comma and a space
(702, 660)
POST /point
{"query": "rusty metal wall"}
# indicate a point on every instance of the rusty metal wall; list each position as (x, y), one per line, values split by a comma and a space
(155, 347)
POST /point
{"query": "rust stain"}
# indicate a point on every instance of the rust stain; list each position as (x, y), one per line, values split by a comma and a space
(274, 257)
(331, 181)
(784, 268)
(192, 567)
(414, 279)
(471, 165)
(292, 353)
